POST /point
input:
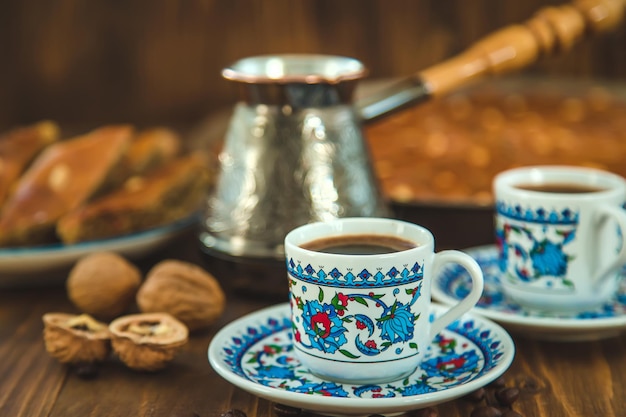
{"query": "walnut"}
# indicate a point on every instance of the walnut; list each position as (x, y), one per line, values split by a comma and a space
(103, 284)
(183, 290)
(147, 342)
(76, 339)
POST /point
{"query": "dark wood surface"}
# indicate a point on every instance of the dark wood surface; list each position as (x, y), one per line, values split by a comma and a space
(555, 379)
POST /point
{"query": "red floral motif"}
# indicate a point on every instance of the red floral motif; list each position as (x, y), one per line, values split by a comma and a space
(371, 344)
(270, 350)
(454, 363)
(343, 299)
(443, 341)
(320, 322)
(377, 393)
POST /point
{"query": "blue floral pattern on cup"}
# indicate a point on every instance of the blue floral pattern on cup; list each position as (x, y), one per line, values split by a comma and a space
(540, 215)
(347, 279)
(326, 324)
(532, 244)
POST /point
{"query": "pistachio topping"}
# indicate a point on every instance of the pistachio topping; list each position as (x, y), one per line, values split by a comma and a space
(147, 341)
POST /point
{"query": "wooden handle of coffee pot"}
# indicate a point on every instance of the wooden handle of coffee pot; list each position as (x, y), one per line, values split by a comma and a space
(552, 30)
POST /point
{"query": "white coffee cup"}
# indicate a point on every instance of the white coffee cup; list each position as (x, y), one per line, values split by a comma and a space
(364, 318)
(560, 232)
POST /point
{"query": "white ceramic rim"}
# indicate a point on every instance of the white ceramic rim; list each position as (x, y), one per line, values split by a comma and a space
(505, 182)
(419, 235)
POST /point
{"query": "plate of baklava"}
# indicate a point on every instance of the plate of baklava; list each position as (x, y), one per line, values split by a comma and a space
(114, 187)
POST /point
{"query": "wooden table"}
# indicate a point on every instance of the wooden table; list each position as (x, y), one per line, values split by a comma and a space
(555, 379)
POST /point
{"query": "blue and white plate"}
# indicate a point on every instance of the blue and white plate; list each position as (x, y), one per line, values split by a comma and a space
(453, 284)
(255, 353)
(40, 265)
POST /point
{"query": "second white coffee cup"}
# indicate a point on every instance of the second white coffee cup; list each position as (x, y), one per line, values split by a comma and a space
(560, 233)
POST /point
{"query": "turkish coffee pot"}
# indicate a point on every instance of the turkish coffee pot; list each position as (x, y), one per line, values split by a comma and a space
(294, 151)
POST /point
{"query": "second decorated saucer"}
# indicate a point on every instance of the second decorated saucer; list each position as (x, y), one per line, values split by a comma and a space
(453, 284)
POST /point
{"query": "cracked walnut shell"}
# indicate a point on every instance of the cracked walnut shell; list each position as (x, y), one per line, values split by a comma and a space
(76, 339)
(147, 342)
(183, 290)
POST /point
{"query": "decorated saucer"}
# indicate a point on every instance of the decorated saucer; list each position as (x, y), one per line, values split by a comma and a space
(453, 283)
(255, 353)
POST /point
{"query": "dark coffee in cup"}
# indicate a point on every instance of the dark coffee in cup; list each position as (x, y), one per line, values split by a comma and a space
(366, 244)
(560, 188)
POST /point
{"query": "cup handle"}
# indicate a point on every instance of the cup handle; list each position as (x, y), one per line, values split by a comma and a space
(619, 215)
(476, 274)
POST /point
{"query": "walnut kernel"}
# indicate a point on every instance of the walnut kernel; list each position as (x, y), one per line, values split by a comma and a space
(76, 339)
(147, 342)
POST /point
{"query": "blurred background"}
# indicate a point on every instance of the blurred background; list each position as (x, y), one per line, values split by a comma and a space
(84, 63)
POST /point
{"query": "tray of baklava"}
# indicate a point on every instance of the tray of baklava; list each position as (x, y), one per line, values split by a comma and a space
(113, 187)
